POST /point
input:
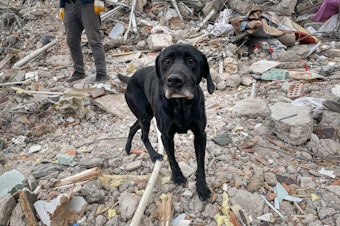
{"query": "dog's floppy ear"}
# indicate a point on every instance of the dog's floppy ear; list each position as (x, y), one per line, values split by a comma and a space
(158, 66)
(206, 74)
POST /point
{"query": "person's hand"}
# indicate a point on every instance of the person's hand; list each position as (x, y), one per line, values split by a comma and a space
(61, 13)
(98, 6)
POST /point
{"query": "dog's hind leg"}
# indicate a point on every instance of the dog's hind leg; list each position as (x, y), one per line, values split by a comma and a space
(177, 175)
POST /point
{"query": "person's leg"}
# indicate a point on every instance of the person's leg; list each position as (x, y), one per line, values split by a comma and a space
(91, 23)
(74, 28)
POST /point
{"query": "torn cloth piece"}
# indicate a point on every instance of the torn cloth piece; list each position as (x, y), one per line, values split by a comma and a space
(326, 10)
(259, 24)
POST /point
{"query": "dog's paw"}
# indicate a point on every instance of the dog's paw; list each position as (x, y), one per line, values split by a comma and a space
(179, 179)
(203, 192)
(157, 157)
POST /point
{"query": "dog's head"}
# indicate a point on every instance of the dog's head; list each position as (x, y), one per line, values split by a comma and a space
(180, 69)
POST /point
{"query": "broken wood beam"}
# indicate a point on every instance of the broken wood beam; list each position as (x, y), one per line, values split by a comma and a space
(79, 177)
(165, 210)
(34, 54)
(26, 207)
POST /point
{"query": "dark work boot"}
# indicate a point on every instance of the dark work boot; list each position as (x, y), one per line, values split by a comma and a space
(75, 76)
(102, 78)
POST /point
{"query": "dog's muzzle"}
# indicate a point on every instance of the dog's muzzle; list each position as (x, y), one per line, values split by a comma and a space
(177, 88)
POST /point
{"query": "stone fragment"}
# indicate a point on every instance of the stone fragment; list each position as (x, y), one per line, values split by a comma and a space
(7, 205)
(251, 202)
(128, 203)
(222, 140)
(250, 108)
(270, 178)
(133, 165)
(335, 189)
(45, 170)
(255, 182)
(11, 181)
(326, 211)
(92, 192)
(92, 162)
(292, 124)
(18, 216)
(186, 169)
(307, 183)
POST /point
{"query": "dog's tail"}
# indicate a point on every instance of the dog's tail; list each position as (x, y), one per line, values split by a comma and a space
(123, 78)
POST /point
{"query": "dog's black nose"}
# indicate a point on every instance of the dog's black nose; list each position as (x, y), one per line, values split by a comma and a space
(175, 80)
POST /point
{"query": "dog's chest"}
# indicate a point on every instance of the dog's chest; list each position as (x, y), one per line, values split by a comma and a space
(182, 118)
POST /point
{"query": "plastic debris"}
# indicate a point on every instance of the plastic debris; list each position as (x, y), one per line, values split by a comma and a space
(328, 173)
(275, 74)
(283, 194)
(35, 148)
(268, 217)
(225, 187)
(273, 208)
(117, 30)
(221, 25)
(181, 221)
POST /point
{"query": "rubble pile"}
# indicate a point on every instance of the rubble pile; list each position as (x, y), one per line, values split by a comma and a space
(273, 147)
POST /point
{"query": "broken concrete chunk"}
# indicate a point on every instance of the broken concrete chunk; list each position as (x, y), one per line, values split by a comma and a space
(250, 108)
(159, 41)
(292, 124)
(10, 182)
(262, 66)
(118, 109)
(61, 210)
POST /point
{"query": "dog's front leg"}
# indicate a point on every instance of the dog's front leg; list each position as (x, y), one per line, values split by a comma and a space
(201, 184)
(177, 175)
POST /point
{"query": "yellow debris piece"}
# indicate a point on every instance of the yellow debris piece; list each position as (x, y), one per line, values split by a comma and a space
(314, 197)
(225, 218)
(112, 181)
(111, 213)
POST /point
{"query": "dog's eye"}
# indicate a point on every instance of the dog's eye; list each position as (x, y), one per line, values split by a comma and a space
(167, 61)
(191, 61)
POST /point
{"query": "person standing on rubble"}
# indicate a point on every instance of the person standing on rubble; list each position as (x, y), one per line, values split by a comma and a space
(79, 15)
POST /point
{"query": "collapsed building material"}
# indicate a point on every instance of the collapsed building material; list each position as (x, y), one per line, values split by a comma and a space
(34, 54)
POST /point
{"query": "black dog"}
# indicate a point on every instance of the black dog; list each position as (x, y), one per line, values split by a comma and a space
(170, 92)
